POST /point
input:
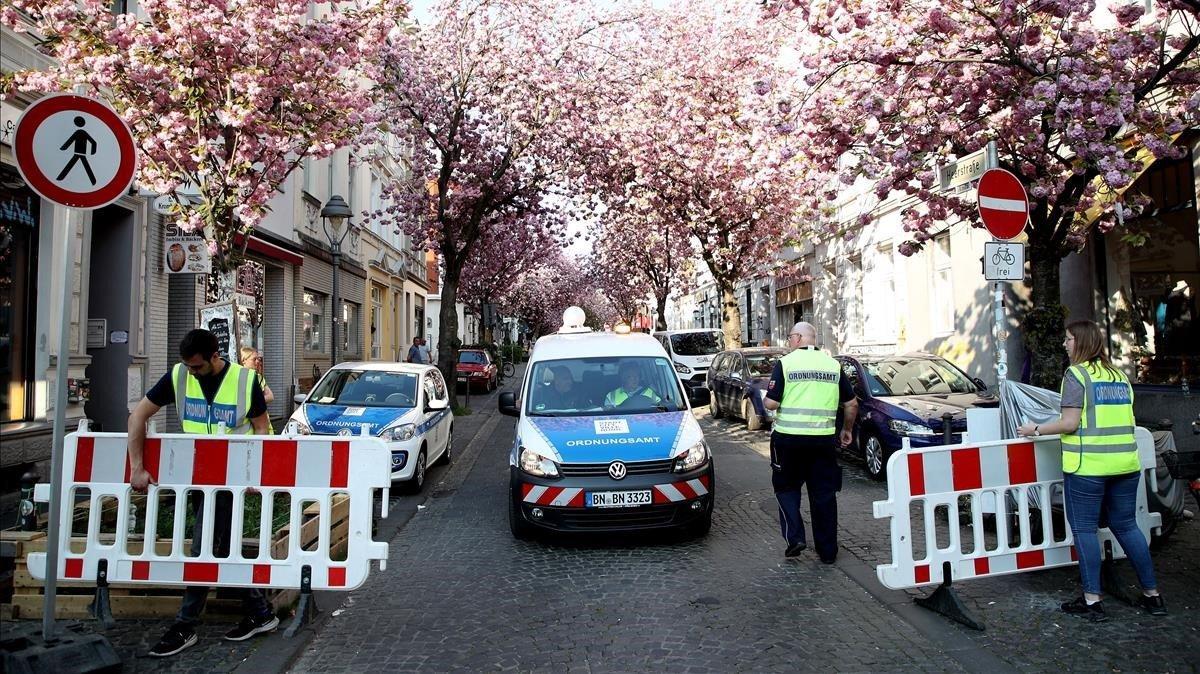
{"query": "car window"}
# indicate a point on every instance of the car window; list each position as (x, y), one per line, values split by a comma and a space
(718, 363)
(697, 343)
(430, 387)
(439, 384)
(915, 376)
(737, 364)
(761, 365)
(580, 386)
(475, 357)
(366, 389)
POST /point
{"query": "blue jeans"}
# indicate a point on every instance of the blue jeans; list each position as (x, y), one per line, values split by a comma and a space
(254, 602)
(1085, 497)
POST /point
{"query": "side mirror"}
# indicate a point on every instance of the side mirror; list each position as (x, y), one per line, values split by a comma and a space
(436, 404)
(299, 398)
(980, 383)
(507, 404)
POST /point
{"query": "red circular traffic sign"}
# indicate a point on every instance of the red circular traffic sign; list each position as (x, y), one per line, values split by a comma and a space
(75, 151)
(1003, 205)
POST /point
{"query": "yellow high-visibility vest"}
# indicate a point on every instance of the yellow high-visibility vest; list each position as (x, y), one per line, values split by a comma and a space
(1104, 443)
(619, 396)
(230, 406)
(810, 394)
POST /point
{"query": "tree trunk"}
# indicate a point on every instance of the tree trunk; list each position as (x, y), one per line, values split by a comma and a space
(1043, 325)
(448, 332)
(660, 301)
(731, 317)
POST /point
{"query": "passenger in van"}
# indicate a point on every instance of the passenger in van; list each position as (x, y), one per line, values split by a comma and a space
(562, 393)
(631, 385)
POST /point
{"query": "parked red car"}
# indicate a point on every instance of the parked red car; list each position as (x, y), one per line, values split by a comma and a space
(476, 369)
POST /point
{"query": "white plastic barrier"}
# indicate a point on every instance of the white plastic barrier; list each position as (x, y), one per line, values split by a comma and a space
(928, 483)
(307, 468)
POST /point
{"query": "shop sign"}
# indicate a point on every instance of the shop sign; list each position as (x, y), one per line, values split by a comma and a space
(184, 252)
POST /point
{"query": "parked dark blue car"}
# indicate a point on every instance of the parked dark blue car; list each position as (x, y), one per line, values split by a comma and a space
(906, 396)
(737, 381)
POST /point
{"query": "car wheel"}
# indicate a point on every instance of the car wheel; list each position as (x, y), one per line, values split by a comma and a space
(874, 454)
(446, 458)
(521, 530)
(417, 482)
(714, 405)
(754, 422)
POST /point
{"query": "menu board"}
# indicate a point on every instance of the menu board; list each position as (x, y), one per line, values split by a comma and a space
(184, 252)
(221, 320)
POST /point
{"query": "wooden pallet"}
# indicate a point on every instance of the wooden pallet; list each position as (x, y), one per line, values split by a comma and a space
(152, 601)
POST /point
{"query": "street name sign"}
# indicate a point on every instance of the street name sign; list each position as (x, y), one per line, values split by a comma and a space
(962, 170)
(75, 151)
(1003, 261)
(1003, 204)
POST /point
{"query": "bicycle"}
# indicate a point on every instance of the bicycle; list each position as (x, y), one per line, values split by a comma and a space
(1005, 256)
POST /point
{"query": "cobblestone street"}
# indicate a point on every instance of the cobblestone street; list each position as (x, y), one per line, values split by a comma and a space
(461, 594)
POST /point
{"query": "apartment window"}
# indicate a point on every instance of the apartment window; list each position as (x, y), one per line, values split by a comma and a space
(351, 327)
(941, 293)
(852, 298)
(880, 297)
(376, 322)
(312, 309)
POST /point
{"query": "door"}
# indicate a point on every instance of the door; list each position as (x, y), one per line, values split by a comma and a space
(734, 381)
(434, 389)
(715, 374)
(110, 296)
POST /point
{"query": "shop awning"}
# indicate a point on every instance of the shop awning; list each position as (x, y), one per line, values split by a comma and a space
(270, 250)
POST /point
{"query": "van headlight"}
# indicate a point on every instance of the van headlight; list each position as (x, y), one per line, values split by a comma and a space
(537, 465)
(909, 428)
(399, 433)
(682, 369)
(693, 458)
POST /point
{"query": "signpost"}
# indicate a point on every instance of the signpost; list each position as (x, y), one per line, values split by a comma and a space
(1004, 209)
(76, 152)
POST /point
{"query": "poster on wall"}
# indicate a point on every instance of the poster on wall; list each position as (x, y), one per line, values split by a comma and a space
(184, 252)
(222, 320)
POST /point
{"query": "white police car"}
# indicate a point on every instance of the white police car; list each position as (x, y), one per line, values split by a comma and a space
(405, 404)
(606, 439)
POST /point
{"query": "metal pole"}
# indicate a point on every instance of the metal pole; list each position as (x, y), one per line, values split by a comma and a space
(1000, 331)
(66, 257)
(337, 302)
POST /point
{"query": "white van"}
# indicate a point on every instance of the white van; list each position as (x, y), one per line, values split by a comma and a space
(606, 440)
(692, 351)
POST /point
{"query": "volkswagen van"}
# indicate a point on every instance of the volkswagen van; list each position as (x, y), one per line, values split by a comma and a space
(606, 439)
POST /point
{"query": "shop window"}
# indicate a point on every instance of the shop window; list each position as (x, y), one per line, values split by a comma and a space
(19, 213)
(312, 306)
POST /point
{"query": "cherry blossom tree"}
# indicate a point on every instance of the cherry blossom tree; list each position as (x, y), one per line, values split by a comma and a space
(497, 98)
(693, 132)
(1068, 91)
(540, 295)
(227, 95)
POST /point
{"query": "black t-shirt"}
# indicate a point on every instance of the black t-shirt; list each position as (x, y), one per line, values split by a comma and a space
(163, 393)
(775, 389)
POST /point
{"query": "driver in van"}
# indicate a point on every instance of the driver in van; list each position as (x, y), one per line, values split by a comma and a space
(631, 385)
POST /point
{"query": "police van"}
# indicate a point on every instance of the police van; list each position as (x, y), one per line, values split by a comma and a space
(606, 440)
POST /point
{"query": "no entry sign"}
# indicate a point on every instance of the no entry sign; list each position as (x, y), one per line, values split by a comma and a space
(75, 151)
(1003, 205)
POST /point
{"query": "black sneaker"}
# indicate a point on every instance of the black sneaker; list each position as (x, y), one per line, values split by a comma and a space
(795, 549)
(1153, 605)
(252, 625)
(1094, 612)
(176, 639)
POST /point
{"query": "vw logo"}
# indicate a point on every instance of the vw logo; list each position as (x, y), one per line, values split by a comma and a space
(616, 470)
(345, 432)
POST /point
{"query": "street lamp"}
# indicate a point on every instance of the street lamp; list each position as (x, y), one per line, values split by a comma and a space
(336, 215)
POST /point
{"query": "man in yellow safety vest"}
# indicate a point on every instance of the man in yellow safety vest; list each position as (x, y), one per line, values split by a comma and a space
(807, 388)
(631, 387)
(211, 396)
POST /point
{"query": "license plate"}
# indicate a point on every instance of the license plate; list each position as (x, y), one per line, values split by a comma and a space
(618, 499)
(462, 380)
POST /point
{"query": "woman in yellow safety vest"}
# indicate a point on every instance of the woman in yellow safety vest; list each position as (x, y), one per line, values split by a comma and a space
(1100, 466)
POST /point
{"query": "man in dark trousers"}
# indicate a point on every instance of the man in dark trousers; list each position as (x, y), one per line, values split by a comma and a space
(209, 394)
(807, 388)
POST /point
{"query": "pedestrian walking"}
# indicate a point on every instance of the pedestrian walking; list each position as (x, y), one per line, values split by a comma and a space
(1100, 467)
(209, 395)
(414, 352)
(426, 357)
(807, 388)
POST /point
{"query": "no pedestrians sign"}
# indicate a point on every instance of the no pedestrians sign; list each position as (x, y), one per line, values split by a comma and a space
(75, 151)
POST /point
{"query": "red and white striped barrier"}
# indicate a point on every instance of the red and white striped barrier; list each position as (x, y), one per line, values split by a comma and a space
(1022, 476)
(306, 468)
(572, 497)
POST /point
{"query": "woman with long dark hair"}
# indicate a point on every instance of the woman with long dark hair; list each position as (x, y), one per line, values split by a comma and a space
(1100, 467)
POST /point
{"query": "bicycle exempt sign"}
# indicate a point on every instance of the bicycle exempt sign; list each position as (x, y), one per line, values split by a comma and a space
(75, 151)
(1003, 261)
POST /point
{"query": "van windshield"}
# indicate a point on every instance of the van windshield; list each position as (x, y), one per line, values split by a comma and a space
(697, 343)
(595, 386)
